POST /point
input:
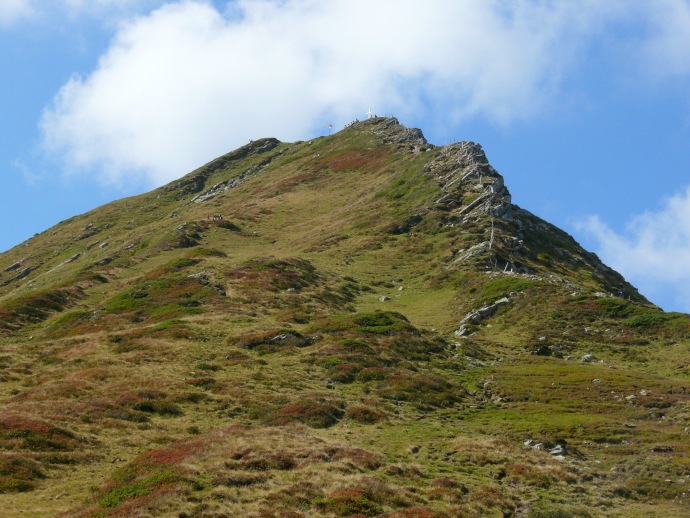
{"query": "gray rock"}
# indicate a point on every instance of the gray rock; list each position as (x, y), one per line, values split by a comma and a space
(474, 317)
(290, 339)
(557, 450)
(20, 275)
(12, 267)
(473, 251)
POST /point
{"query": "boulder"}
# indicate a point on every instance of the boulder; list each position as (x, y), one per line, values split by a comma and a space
(20, 275)
(14, 266)
(474, 317)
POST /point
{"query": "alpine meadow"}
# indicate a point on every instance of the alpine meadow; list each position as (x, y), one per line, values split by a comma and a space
(362, 324)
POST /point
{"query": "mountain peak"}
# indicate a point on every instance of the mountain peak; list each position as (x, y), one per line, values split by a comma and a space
(361, 323)
(461, 169)
(390, 131)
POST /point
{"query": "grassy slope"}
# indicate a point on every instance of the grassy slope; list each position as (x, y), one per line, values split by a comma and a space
(185, 365)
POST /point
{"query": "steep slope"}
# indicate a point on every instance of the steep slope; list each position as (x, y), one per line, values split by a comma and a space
(360, 324)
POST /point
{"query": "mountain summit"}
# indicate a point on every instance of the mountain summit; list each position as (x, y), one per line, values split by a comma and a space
(362, 324)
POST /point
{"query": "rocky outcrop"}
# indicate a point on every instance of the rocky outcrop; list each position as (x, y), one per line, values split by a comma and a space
(26, 271)
(206, 278)
(13, 267)
(476, 316)
(515, 241)
(236, 181)
(67, 261)
(390, 131)
(196, 181)
(470, 185)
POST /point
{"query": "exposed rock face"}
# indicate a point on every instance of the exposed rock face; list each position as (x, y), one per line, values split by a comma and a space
(12, 267)
(392, 132)
(476, 316)
(196, 181)
(515, 239)
(470, 184)
(232, 182)
(20, 275)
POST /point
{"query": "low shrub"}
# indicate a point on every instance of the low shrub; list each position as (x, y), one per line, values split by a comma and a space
(150, 402)
(382, 322)
(373, 374)
(36, 306)
(35, 435)
(344, 373)
(646, 319)
(375, 323)
(364, 414)
(350, 501)
(416, 512)
(354, 345)
(18, 474)
(363, 459)
(276, 274)
(204, 382)
(270, 341)
(424, 391)
(262, 460)
(311, 413)
(144, 486)
(615, 307)
(240, 478)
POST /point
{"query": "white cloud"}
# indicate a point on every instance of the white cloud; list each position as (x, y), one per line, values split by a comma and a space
(12, 11)
(654, 250)
(667, 50)
(186, 83)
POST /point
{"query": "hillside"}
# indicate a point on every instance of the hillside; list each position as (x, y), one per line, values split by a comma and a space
(362, 324)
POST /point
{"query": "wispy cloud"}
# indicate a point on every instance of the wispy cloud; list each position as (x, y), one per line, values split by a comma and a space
(653, 251)
(667, 48)
(11, 11)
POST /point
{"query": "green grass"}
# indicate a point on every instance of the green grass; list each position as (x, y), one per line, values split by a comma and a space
(138, 488)
(500, 287)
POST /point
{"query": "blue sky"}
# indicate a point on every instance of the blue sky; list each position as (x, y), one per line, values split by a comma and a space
(582, 105)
